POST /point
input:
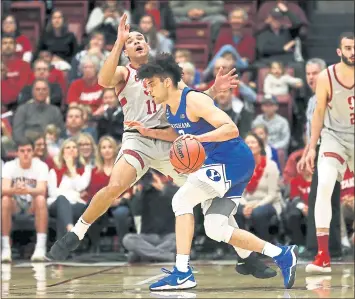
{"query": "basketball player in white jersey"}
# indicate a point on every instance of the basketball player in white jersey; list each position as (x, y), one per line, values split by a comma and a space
(333, 121)
(139, 153)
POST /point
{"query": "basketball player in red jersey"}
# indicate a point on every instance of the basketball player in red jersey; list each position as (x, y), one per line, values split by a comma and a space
(139, 153)
(333, 121)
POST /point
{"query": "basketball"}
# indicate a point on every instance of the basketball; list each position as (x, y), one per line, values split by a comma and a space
(187, 155)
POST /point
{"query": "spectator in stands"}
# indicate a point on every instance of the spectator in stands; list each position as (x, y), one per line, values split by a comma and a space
(261, 200)
(158, 42)
(10, 26)
(239, 112)
(59, 40)
(184, 55)
(100, 176)
(105, 18)
(236, 39)
(189, 72)
(36, 115)
(161, 12)
(15, 72)
(66, 181)
(347, 207)
(41, 71)
(74, 123)
(202, 11)
(7, 142)
(52, 134)
(95, 47)
(297, 208)
(110, 120)
(87, 149)
(55, 75)
(271, 152)
(156, 241)
(87, 90)
(277, 126)
(40, 149)
(275, 41)
(23, 188)
(277, 83)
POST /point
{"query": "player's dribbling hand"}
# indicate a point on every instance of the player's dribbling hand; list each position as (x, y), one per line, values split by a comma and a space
(123, 29)
(227, 81)
(189, 136)
(311, 155)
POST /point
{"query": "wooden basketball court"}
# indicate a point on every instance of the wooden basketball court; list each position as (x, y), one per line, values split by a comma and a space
(216, 279)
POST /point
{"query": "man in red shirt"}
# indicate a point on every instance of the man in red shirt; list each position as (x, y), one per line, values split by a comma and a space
(86, 90)
(236, 36)
(347, 207)
(16, 72)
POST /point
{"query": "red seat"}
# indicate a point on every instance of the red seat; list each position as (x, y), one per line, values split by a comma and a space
(249, 5)
(225, 28)
(199, 54)
(197, 33)
(77, 29)
(126, 3)
(75, 11)
(31, 30)
(34, 11)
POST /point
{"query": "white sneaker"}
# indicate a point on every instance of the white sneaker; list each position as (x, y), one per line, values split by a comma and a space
(6, 255)
(38, 255)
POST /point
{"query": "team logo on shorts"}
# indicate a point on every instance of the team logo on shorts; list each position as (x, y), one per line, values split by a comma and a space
(213, 175)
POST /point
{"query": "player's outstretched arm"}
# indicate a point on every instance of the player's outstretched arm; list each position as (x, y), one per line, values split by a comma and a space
(167, 134)
(202, 106)
(110, 74)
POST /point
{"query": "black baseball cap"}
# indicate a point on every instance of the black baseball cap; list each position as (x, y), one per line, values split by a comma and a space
(276, 13)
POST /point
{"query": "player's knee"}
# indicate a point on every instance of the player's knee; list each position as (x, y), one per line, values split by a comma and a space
(217, 227)
(327, 176)
(181, 205)
(113, 190)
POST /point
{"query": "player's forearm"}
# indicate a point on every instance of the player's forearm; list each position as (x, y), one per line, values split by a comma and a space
(223, 133)
(168, 134)
(316, 128)
(108, 69)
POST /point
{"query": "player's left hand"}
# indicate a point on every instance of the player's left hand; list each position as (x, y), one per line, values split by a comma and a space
(227, 81)
(137, 125)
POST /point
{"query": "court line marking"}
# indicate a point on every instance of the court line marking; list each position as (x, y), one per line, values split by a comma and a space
(149, 279)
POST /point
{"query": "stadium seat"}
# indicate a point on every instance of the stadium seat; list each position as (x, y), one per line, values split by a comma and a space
(126, 3)
(34, 11)
(249, 5)
(30, 29)
(199, 54)
(196, 33)
(77, 29)
(225, 28)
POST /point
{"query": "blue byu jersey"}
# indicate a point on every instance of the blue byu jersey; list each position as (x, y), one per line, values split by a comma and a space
(229, 164)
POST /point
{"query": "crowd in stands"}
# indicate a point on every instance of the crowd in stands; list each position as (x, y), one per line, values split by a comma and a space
(61, 131)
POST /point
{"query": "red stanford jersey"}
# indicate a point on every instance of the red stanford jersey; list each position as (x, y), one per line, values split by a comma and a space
(300, 187)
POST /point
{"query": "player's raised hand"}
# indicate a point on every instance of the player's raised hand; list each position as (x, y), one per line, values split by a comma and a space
(227, 81)
(123, 29)
(311, 155)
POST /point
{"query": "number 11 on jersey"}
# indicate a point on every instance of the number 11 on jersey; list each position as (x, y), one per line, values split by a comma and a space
(151, 107)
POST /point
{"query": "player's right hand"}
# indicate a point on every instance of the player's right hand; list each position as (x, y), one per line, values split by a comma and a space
(301, 164)
(311, 155)
(123, 29)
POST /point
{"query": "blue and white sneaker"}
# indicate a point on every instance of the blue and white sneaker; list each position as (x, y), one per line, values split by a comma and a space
(287, 262)
(175, 280)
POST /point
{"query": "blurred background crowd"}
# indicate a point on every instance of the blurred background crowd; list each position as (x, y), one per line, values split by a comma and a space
(61, 131)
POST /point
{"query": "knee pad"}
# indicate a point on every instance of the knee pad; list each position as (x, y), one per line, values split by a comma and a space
(186, 198)
(217, 227)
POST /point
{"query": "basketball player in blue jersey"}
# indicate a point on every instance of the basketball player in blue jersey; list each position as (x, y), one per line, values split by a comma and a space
(219, 183)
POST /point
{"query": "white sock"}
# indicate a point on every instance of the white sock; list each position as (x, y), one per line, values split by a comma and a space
(80, 228)
(271, 250)
(182, 262)
(5, 240)
(41, 240)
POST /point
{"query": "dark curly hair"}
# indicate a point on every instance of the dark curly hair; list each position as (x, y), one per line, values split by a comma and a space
(162, 66)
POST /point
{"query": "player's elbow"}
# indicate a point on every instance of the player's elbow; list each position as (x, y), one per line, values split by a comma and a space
(234, 131)
(102, 82)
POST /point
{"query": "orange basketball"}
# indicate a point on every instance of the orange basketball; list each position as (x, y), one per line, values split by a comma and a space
(187, 155)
